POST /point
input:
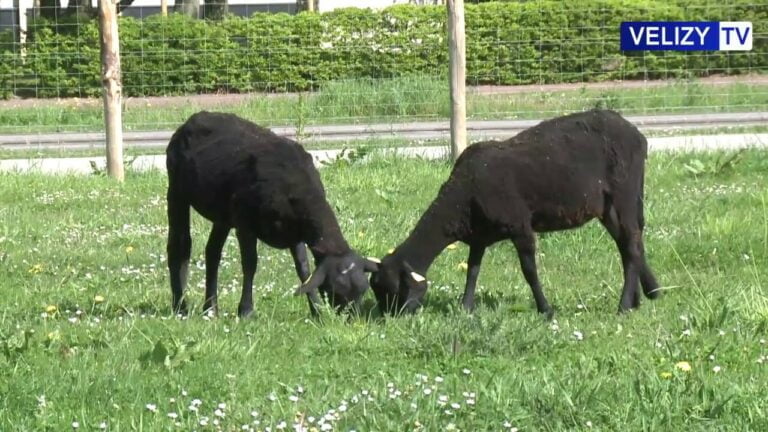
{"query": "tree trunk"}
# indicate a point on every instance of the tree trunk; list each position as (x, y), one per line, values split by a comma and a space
(112, 87)
(457, 69)
(188, 7)
(80, 7)
(215, 9)
(306, 5)
(49, 8)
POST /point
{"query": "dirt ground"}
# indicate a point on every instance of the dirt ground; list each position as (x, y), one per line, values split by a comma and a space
(218, 100)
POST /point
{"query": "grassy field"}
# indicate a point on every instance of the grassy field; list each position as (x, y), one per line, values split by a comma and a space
(401, 99)
(87, 337)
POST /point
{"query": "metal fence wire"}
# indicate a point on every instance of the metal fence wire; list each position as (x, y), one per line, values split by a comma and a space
(532, 59)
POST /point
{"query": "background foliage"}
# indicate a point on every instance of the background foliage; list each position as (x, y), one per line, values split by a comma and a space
(507, 43)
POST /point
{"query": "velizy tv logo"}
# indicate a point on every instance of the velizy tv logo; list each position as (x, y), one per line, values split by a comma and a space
(686, 36)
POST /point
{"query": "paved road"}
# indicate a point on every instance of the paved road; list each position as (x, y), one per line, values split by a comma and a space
(413, 131)
(677, 143)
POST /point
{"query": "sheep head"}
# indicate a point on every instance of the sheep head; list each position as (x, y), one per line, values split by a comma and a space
(340, 279)
(397, 286)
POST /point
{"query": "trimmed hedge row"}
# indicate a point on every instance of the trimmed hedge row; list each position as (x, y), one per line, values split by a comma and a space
(507, 43)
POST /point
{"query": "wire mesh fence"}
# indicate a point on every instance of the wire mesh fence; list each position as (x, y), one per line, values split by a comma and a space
(532, 59)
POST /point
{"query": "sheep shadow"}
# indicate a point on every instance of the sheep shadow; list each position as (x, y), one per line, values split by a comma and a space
(447, 306)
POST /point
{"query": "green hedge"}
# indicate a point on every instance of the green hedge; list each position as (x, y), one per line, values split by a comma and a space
(507, 43)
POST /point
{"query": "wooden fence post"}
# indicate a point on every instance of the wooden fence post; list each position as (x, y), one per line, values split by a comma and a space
(457, 73)
(164, 7)
(112, 87)
(21, 9)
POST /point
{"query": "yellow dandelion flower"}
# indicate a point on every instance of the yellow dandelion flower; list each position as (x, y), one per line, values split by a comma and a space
(463, 266)
(683, 366)
(361, 234)
(390, 251)
(666, 375)
(452, 246)
(98, 299)
(54, 335)
(35, 269)
(129, 249)
(51, 309)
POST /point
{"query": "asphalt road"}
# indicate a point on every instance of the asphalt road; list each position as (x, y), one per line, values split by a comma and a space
(412, 131)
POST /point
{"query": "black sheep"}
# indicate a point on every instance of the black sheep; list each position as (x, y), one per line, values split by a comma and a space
(557, 175)
(240, 175)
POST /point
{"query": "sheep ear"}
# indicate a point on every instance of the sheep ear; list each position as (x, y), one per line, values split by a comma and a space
(417, 277)
(372, 264)
(312, 283)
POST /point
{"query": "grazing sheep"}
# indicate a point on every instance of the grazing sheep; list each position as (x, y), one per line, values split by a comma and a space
(239, 175)
(557, 175)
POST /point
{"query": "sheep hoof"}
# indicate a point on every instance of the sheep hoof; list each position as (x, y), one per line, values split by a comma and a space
(245, 312)
(181, 309)
(624, 309)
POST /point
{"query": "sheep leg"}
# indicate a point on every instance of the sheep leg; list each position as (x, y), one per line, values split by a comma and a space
(630, 297)
(299, 253)
(627, 234)
(610, 221)
(179, 249)
(630, 257)
(475, 258)
(647, 279)
(526, 252)
(250, 259)
(216, 240)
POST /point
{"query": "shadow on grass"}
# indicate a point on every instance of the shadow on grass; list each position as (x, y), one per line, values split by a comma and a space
(445, 305)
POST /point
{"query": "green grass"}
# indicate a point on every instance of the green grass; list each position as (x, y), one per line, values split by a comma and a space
(401, 99)
(65, 240)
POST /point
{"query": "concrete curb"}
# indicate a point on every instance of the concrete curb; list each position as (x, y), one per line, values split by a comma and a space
(83, 165)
